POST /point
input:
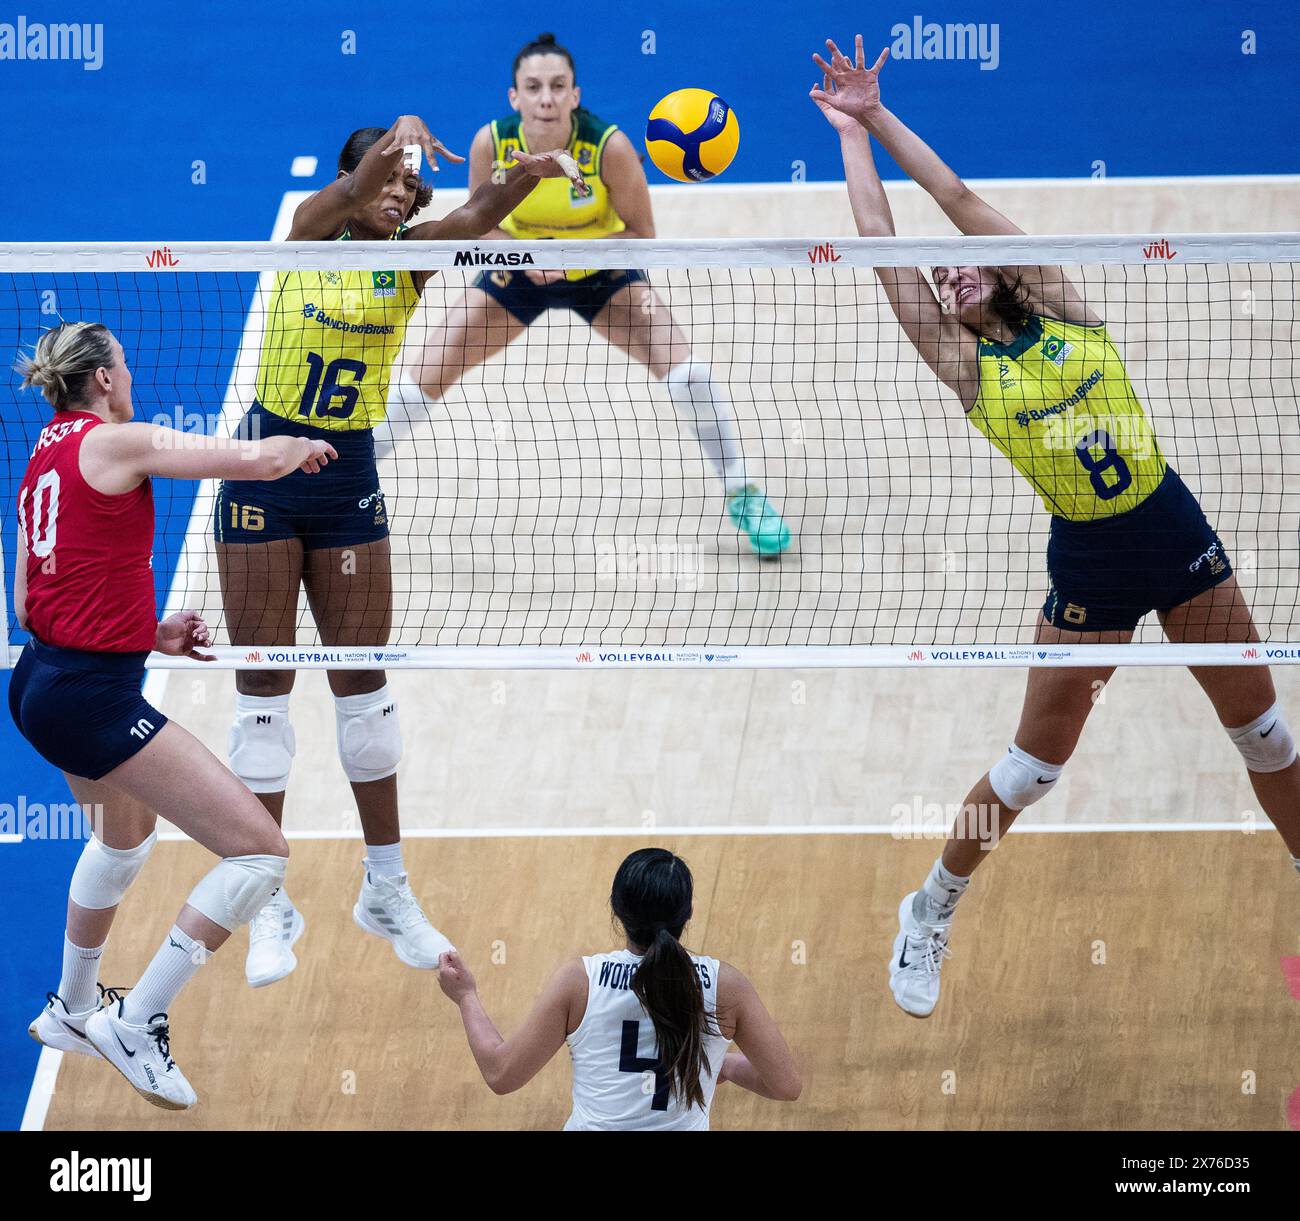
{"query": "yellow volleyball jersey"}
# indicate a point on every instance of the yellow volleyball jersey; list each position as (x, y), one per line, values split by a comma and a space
(330, 341)
(553, 208)
(1057, 401)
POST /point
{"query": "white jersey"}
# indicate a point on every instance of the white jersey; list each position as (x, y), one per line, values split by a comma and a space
(614, 1053)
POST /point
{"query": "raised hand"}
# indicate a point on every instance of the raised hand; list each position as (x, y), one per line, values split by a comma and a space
(557, 164)
(410, 129)
(849, 88)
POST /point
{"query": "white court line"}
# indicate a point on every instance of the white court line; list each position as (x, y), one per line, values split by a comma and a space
(776, 829)
(38, 1097)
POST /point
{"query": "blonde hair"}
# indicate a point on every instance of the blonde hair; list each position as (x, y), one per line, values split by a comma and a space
(65, 358)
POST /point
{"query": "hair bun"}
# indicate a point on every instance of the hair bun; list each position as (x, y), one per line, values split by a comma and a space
(546, 38)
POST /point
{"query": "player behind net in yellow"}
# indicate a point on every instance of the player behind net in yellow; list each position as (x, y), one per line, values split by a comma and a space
(331, 339)
(1037, 373)
(621, 306)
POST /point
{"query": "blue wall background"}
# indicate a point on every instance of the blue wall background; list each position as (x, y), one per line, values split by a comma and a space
(1152, 87)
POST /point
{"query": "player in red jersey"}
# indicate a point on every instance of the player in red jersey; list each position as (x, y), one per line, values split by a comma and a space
(84, 591)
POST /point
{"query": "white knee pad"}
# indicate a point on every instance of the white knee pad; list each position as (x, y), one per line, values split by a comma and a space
(370, 740)
(1019, 779)
(236, 888)
(261, 743)
(1266, 743)
(103, 874)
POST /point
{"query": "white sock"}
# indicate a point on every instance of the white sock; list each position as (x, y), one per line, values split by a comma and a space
(80, 972)
(406, 409)
(937, 898)
(1295, 860)
(173, 966)
(385, 860)
(707, 410)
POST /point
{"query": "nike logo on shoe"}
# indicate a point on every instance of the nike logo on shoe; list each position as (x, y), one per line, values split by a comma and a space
(130, 1055)
(902, 958)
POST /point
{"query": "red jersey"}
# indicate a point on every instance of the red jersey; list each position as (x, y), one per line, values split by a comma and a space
(89, 554)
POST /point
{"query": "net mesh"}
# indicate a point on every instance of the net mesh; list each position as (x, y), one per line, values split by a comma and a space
(555, 496)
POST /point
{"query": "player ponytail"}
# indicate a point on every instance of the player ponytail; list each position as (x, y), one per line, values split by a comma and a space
(543, 44)
(358, 144)
(65, 359)
(652, 899)
(1010, 302)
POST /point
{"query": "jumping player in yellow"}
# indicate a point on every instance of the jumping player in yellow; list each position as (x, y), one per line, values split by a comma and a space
(330, 341)
(1037, 373)
(619, 305)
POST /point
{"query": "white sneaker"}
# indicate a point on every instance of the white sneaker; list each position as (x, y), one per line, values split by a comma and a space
(272, 934)
(56, 1027)
(919, 951)
(387, 908)
(143, 1056)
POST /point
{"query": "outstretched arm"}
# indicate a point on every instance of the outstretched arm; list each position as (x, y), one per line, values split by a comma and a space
(494, 200)
(943, 343)
(858, 95)
(323, 215)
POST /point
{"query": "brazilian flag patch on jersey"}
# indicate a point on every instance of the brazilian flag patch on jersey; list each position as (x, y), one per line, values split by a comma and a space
(385, 283)
(1056, 350)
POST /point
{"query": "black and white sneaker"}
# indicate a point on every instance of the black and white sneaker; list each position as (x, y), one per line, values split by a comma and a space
(919, 951)
(142, 1054)
(62, 1030)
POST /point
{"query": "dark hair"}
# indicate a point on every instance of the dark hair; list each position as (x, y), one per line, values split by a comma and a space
(543, 44)
(359, 143)
(65, 359)
(1010, 302)
(652, 897)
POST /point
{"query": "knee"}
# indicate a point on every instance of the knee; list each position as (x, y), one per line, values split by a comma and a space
(238, 887)
(1019, 779)
(261, 744)
(1265, 743)
(264, 683)
(369, 736)
(103, 874)
(433, 380)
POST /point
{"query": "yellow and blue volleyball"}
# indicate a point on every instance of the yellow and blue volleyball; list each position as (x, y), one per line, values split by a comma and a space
(692, 135)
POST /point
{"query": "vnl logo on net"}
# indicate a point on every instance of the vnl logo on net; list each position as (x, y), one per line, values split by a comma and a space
(37, 40)
(952, 40)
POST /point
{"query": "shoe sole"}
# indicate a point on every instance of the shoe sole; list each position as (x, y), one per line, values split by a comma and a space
(898, 949)
(299, 926)
(359, 919)
(71, 1048)
(165, 1104)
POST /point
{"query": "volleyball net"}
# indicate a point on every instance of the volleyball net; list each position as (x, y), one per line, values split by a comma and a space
(555, 506)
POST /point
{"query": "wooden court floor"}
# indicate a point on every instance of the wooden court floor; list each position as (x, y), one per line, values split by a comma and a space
(1118, 981)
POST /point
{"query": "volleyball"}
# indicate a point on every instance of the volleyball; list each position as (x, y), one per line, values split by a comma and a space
(692, 135)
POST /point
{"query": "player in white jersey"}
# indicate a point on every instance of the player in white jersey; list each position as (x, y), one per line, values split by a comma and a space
(648, 1026)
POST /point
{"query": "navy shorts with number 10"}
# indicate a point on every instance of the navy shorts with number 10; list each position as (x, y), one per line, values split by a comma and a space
(341, 505)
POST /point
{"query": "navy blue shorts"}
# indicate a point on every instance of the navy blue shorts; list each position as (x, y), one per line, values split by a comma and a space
(527, 301)
(82, 711)
(1107, 574)
(341, 505)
